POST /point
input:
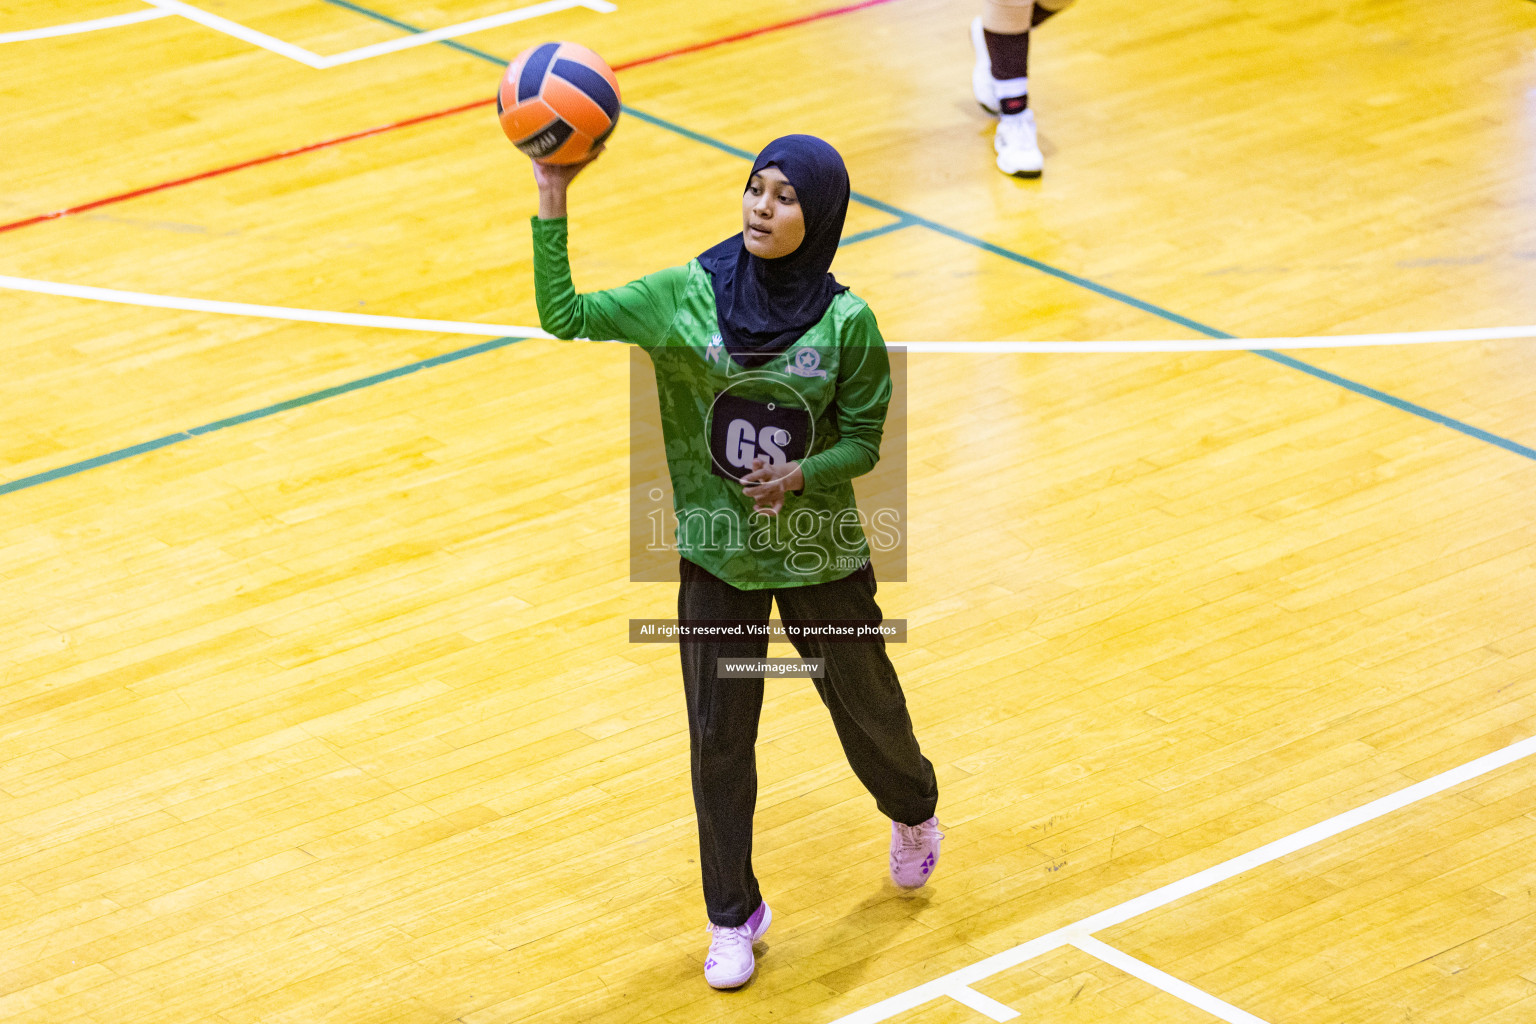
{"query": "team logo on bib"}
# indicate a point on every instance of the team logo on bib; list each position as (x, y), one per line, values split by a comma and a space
(806, 363)
(713, 349)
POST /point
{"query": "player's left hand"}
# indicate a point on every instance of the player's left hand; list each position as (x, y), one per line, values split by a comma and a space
(766, 485)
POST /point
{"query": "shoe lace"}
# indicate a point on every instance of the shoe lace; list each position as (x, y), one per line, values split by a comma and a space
(725, 939)
(913, 836)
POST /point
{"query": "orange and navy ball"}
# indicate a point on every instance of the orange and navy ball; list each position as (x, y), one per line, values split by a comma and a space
(557, 102)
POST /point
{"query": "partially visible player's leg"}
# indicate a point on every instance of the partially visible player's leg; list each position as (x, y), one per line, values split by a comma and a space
(722, 732)
(1001, 78)
(869, 711)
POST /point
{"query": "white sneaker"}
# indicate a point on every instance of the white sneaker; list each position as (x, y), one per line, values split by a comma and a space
(914, 852)
(730, 962)
(1018, 148)
(981, 74)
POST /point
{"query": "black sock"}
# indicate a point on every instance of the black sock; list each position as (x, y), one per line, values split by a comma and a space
(1009, 54)
(1010, 59)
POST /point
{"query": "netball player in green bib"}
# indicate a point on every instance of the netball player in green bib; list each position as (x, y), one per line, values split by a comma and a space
(773, 383)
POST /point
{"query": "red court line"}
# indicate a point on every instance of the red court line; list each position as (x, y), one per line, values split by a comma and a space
(285, 154)
(806, 19)
(243, 165)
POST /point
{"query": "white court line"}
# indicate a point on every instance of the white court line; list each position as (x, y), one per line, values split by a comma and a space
(320, 63)
(1234, 344)
(239, 31)
(983, 1003)
(1072, 933)
(82, 26)
(1167, 982)
(464, 29)
(312, 316)
(994, 347)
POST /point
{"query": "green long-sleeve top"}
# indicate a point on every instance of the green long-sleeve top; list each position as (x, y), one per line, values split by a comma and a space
(821, 402)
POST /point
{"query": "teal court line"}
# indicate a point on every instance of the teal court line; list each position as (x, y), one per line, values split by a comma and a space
(386, 19)
(1398, 403)
(884, 229)
(246, 417)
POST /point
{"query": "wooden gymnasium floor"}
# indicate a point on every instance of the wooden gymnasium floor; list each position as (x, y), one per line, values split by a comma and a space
(317, 699)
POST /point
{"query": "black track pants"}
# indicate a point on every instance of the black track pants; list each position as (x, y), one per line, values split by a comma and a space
(860, 689)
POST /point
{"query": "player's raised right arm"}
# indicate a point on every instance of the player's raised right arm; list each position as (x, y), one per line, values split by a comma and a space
(639, 312)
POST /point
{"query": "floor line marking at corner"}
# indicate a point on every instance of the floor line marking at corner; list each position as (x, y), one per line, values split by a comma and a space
(1200, 880)
(448, 32)
(1179, 989)
(982, 1003)
(452, 44)
(418, 37)
(217, 23)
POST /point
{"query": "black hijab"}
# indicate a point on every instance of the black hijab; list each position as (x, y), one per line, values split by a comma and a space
(764, 306)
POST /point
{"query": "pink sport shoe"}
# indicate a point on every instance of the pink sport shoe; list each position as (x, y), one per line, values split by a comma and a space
(730, 962)
(914, 852)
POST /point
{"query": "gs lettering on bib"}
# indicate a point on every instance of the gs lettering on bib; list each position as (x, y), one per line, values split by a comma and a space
(741, 430)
